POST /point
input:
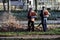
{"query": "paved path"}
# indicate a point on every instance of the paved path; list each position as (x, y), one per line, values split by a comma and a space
(34, 36)
(49, 22)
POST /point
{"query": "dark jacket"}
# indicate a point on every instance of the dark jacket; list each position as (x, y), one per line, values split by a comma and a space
(41, 15)
(28, 15)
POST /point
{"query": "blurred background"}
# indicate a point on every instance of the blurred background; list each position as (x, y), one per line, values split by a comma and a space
(13, 13)
(19, 8)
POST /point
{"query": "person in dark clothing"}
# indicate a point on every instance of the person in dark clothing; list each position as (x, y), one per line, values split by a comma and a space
(42, 17)
(43, 22)
(31, 19)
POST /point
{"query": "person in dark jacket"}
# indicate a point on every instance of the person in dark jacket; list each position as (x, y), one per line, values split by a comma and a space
(42, 20)
(31, 17)
(44, 15)
(41, 16)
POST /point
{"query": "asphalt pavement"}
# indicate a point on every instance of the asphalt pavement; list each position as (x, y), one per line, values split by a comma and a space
(48, 22)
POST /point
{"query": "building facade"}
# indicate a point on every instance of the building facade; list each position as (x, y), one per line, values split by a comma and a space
(24, 4)
(52, 4)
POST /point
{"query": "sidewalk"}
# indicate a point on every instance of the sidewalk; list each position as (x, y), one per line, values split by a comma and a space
(34, 36)
(49, 22)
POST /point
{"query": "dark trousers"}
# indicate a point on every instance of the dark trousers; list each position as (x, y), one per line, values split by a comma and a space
(44, 24)
(30, 25)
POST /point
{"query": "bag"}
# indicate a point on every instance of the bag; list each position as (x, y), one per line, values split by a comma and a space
(45, 12)
(32, 13)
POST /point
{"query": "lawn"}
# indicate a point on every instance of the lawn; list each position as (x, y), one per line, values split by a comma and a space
(55, 31)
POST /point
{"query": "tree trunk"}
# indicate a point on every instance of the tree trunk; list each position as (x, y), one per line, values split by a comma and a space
(4, 5)
(8, 5)
(36, 5)
(27, 4)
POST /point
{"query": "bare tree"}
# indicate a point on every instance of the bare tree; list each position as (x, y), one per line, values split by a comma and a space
(36, 5)
(4, 4)
(8, 5)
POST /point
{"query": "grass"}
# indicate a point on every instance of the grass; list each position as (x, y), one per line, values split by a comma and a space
(49, 32)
